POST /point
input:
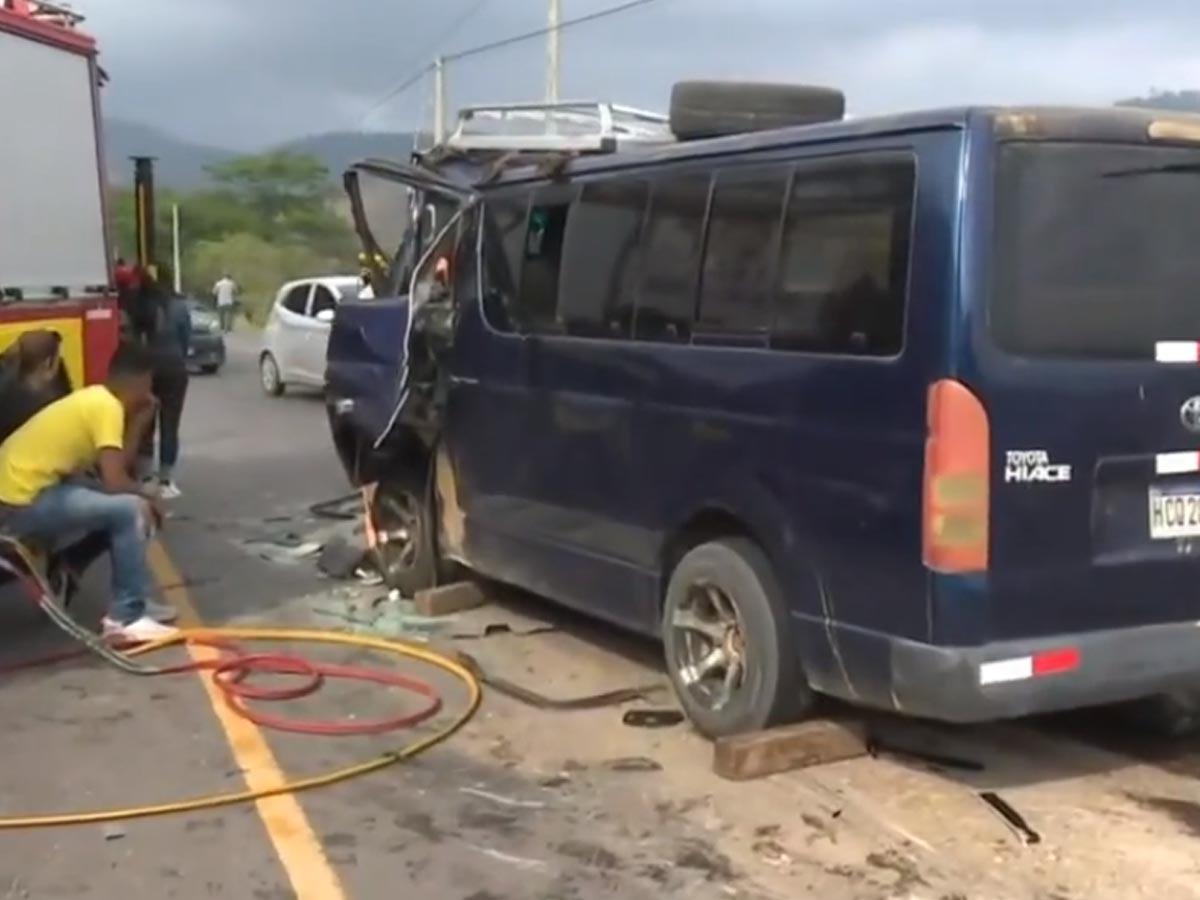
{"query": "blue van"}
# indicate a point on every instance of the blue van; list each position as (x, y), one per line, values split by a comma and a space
(903, 410)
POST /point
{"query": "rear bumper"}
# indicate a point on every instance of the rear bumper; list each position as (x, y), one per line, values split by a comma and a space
(206, 352)
(948, 683)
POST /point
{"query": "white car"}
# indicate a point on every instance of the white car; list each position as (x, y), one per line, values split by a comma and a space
(297, 331)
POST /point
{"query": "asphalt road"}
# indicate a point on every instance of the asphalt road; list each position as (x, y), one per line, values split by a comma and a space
(522, 804)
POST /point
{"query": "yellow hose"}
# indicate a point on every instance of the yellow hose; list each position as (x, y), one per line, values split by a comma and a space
(400, 648)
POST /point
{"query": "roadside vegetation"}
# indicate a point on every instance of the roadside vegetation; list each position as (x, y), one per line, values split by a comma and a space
(267, 219)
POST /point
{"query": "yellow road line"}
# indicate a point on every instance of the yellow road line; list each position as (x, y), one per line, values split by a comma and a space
(295, 842)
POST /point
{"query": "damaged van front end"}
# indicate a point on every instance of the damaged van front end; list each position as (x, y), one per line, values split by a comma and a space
(382, 363)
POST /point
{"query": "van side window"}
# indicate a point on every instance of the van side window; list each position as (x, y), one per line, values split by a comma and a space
(541, 262)
(671, 247)
(843, 275)
(504, 233)
(600, 260)
(739, 258)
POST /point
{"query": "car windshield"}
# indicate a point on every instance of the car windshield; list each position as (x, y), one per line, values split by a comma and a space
(348, 290)
(1095, 249)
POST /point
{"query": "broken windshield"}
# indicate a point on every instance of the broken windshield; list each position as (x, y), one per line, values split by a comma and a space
(383, 211)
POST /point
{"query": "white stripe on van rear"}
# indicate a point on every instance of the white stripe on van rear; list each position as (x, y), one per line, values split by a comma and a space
(1177, 351)
(1177, 463)
(1005, 670)
(1045, 662)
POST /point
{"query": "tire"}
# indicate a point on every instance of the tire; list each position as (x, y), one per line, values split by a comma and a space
(707, 109)
(406, 552)
(269, 376)
(1174, 715)
(770, 688)
(209, 369)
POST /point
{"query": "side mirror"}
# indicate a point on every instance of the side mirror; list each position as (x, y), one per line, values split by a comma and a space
(325, 316)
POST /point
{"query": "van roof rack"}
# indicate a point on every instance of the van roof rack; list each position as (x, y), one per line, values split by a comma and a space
(584, 126)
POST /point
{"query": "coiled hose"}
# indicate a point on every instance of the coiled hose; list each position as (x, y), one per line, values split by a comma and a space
(230, 669)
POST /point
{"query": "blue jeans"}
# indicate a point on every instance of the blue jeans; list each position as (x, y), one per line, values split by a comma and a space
(69, 515)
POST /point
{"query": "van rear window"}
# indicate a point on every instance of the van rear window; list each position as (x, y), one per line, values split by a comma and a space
(1096, 252)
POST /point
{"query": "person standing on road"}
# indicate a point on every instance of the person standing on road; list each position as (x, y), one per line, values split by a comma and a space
(128, 281)
(226, 291)
(172, 337)
(47, 498)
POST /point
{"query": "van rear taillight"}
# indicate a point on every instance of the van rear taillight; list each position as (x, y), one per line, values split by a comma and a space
(956, 491)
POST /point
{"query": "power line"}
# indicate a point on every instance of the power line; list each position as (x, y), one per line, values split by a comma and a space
(529, 35)
(431, 47)
(416, 76)
(395, 92)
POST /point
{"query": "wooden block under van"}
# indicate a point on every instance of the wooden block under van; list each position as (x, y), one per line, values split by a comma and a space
(763, 753)
(450, 599)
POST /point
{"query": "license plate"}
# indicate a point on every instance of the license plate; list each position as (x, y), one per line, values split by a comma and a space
(1174, 515)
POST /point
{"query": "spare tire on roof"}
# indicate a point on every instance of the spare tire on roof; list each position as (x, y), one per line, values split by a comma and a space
(706, 109)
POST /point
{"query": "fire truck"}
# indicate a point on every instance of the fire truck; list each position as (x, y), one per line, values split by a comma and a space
(55, 264)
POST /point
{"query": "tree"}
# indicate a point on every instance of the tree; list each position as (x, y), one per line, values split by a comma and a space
(280, 187)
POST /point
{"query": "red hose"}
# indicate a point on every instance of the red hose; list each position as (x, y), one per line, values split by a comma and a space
(231, 670)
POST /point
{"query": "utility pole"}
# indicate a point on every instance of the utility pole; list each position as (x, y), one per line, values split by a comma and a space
(553, 51)
(175, 248)
(439, 100)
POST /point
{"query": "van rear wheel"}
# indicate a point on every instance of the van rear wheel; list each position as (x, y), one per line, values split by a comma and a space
(1172, 715)
(727, 641)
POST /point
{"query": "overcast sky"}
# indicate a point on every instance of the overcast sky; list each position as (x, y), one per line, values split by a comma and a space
(247, 73)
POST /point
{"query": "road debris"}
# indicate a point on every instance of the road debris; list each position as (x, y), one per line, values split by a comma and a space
(346, 508)
(368, 577)
(520, 862)
(652, 718)
(772, 852)
(492, 629)
(1011, 817)
(503, 801)
(698, 855)
(113, 832)
(522, 694)
(342, 556)
(383, 616)
(633, 764)
(285, 551)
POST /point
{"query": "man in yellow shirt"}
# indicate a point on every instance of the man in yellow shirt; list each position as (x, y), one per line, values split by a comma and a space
(47, 499)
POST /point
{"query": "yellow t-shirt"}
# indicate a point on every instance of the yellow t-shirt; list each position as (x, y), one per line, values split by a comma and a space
(65, 437)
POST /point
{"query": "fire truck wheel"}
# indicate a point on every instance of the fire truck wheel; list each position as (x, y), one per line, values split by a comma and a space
(269, 377)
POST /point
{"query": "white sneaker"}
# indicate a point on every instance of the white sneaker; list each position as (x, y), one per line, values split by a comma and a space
(139, 631)
(169, 490)
(162, 613)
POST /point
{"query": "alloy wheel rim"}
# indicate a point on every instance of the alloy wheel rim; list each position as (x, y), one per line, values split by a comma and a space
(710, 646)
(397, 527)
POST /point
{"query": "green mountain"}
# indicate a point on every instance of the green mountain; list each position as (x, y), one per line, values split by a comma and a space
(181, 164)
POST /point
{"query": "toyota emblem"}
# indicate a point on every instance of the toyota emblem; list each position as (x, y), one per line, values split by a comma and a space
(1189, 414)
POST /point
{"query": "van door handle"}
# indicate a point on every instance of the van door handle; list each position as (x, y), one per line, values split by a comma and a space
(464, 380)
